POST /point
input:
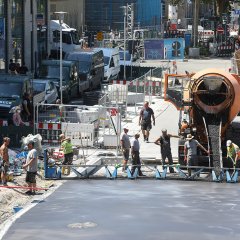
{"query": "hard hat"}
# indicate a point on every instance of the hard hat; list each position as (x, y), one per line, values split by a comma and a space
(229, 142)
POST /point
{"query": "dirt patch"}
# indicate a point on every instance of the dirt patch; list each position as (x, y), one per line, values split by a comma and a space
(11, 197)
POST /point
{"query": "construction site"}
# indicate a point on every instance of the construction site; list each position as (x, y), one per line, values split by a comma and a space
(207, 99)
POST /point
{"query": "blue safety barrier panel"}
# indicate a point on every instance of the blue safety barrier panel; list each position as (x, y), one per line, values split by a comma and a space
(130, 175)
(161, 175)
(232, 178)
(109, 174)
(216, 178)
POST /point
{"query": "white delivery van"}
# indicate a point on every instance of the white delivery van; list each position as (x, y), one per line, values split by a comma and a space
(70, 38)
(111, 63)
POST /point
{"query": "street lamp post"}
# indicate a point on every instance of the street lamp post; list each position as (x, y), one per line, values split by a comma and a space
(61, 18)
(161, 23)
(124, 44)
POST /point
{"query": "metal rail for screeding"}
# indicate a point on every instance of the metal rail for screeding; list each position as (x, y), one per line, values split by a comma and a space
(209, 159)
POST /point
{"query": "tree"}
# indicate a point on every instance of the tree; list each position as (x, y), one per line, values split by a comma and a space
(220, 4)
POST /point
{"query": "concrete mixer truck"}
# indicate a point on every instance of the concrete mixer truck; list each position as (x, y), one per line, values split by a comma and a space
(208, 101)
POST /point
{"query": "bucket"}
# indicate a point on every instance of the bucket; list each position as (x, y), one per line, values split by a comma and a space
(17, 209)
(9, 176)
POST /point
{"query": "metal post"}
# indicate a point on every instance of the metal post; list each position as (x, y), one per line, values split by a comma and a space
(124, 29)
(61, 61)
(161, 12)
(61, 18)
(195, 24)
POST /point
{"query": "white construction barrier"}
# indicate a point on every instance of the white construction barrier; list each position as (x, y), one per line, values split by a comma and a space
(87, 116)
(111, 140)
(118, 92)
(81, 134)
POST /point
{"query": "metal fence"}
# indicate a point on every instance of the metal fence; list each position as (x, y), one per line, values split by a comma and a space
(151, 83)
(52, 119)
(86, 126)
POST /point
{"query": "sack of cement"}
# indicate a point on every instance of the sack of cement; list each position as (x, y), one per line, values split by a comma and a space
(37, 139)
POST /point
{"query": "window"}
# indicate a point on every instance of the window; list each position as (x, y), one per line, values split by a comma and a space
(17, 29)
(2, 35)
(111, 63)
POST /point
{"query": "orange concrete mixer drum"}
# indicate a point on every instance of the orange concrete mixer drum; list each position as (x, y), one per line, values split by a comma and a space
(214, 91)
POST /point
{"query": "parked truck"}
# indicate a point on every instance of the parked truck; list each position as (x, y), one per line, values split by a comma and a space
(70, 39)
(209, 101)
(91, 67)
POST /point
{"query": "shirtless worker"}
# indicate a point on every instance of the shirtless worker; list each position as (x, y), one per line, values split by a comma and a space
(4, 159)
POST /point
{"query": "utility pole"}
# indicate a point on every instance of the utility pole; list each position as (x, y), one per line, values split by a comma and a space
(195, 23)
(130, 20)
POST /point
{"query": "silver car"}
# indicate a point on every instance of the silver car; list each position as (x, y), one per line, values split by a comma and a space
(47, 88)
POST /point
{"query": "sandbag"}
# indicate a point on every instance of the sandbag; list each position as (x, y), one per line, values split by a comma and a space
(37, 139)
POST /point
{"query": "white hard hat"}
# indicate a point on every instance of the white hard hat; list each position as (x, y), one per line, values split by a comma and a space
(229, 142)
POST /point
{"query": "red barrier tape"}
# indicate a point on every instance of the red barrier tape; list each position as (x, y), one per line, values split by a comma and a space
(24, 187)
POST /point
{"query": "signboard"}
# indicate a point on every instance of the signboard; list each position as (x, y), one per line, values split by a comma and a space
(2, 28)
(237, 11)
(174, 48)
(99, 36)
(164, 49)
(173, 26)
(154, 49)
(220, 30)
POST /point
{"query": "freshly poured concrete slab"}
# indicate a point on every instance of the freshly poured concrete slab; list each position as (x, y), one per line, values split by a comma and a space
(134, 209)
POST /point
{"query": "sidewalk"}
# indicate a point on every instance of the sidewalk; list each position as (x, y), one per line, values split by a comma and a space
(166, 116)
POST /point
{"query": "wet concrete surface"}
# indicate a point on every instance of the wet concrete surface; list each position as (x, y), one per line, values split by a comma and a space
(133, 209)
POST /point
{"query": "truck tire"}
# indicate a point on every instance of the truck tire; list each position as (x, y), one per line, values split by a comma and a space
(68, 97)
(91, 98)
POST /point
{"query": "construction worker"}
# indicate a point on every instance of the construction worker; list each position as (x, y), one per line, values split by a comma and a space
(237, 159)
(174, 67)
(164, 142)
(4, 160)
(31, 166)
(232, 150)
(184, 126)
(190, 152)
(135, 151)
(146, 114)
(66, 147)
(126, 145)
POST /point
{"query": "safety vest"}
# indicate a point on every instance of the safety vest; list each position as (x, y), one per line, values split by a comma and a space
(232, 151)
(67, 147)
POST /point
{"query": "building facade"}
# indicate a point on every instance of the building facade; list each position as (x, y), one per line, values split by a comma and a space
(75, 12)
(23, 32)
(107, 14)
